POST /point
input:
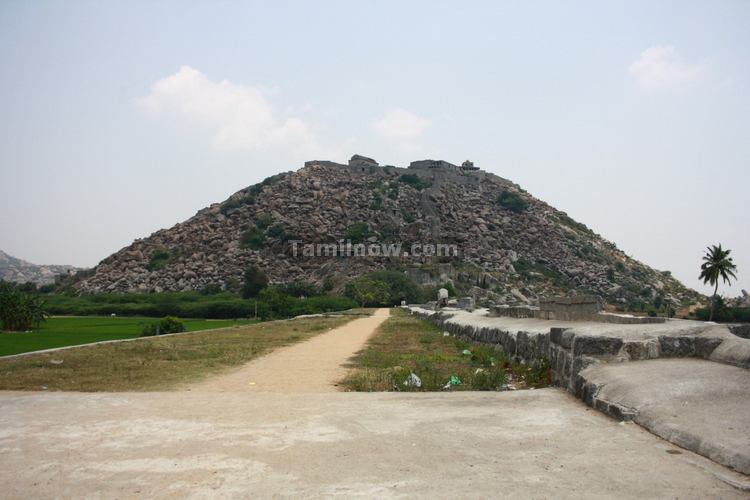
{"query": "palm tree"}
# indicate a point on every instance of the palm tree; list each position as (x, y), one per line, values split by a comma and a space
(717, 264)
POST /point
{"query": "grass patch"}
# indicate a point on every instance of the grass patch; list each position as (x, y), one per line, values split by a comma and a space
(405, 344)
(156, 363)
(61, 332)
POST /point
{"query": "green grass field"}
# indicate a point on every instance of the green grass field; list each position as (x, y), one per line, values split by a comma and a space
(157, 363)
(65, 331)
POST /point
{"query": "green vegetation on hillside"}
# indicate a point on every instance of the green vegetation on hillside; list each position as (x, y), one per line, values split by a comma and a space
(512, 201)
(358, 232)
(415, 181)
(253, 238)
(158, 260)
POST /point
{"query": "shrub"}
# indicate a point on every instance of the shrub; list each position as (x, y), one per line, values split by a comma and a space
(451, 289)
(263, 221)
(276, 231)
(358, 232)
(168, 324)
(377, 201)
(415, 181)
(210, 289)
(299, 289)
(235, 203)
(724, 314)
(385, 287)
(255, 281)
(253, 238)
(566, 220)
(273, 303)
(512, 201)
(368, 292)
(19, 311)
(220, 305)
(158, 259)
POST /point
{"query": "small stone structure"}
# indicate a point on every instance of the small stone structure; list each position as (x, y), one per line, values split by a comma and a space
(579, 308)
(466, 303)
(516, 311)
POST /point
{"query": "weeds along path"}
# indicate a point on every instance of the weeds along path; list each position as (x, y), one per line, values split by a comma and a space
(315, 365)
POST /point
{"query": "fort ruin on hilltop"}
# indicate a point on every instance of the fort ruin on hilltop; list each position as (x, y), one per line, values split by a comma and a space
(435, 170)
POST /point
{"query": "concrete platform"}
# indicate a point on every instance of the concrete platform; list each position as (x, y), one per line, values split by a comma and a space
(525, 444)
(696, 404)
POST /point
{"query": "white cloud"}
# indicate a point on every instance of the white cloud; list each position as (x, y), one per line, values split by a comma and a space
(237, 117)
(658, 68)
(400, 124)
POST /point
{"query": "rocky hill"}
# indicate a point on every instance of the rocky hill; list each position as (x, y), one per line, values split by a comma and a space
(511, 246)
(19, 271)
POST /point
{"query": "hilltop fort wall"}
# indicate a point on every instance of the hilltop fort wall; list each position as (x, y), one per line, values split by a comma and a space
(437, 171)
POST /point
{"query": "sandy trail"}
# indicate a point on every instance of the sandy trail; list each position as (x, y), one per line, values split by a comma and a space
(314, 365)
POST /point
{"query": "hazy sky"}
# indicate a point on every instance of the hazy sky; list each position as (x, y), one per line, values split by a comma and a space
(120, 118)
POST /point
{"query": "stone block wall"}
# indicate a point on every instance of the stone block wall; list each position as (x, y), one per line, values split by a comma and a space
(516, 311)
(569, 308)
(569, 353)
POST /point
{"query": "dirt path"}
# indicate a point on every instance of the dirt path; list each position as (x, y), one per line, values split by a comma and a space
(311, 366)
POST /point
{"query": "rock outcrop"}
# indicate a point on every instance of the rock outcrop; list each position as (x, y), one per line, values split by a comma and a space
(16, 270)
(510, 244)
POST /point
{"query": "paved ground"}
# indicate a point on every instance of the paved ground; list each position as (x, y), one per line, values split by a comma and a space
(697, 404)
(315, 365)
(525, 444)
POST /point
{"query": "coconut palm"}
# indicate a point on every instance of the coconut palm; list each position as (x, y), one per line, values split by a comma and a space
(717, 264)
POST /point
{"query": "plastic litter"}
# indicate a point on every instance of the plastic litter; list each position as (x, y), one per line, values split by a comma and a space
(466, 352)
(455, 380)
(413, 380)
(56, 361)
(446, 334)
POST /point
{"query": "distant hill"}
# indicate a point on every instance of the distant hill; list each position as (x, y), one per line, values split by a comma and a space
(17, 270)
(512, 246)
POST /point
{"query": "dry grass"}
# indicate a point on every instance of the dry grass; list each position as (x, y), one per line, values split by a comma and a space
(157, 363)
(405, 344)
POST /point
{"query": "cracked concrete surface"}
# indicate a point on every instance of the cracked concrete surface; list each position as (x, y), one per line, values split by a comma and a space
(538, 444)
(696, 404)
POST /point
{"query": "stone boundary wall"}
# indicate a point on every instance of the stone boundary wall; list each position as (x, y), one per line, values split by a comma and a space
(516, 311)
(569, 353)
(572, 358)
